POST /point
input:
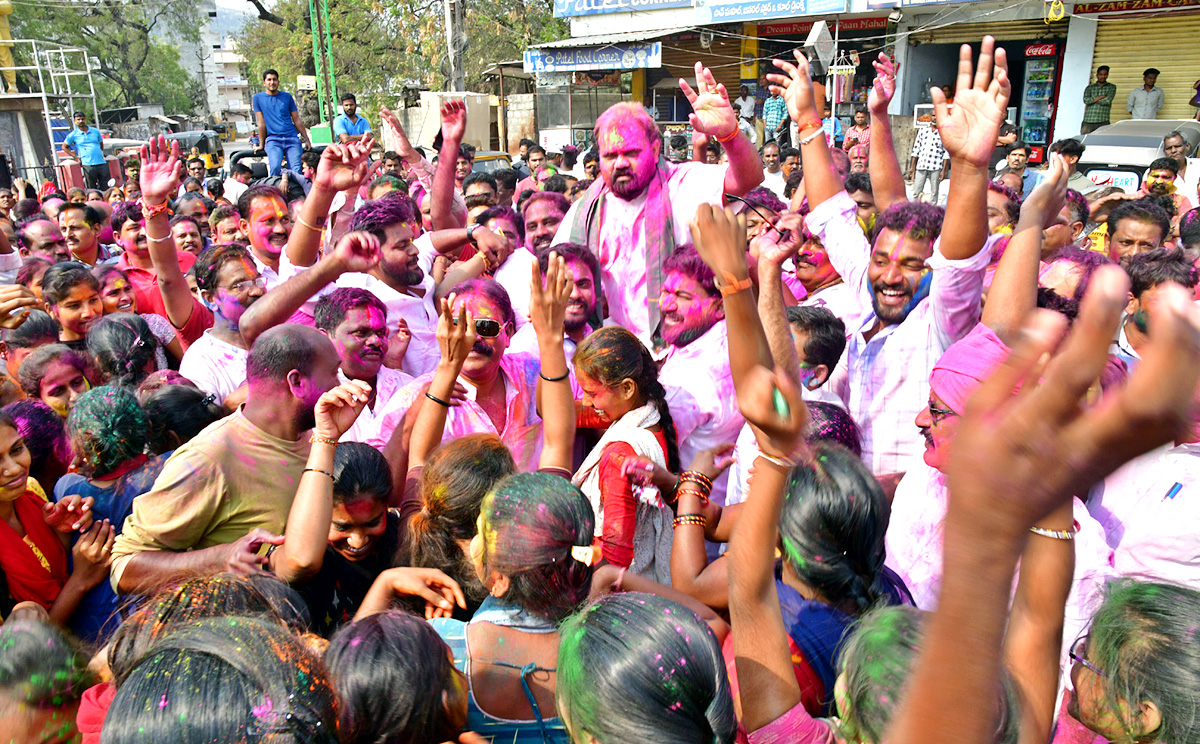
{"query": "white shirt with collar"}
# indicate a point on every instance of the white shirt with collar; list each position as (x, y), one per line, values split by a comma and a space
(701, 398)
(514, 275)
(886, 379)
(1145, 104)
(418, 310)
(366, 427)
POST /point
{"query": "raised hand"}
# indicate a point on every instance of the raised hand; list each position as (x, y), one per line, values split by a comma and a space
(884, 86)
(161, 167)
(404, 148)
(454, 120)
(720, 238)
(771, 404)
(1018, 457)
(71, 514)
(337, 409)
(970, 127)
(398, 345)
(243, 557)
(548, 300)
(779, 244)
(344, 167)
(456, 336)
(1048, 197)
(14, 297)
(357, 252)
(796, 87)
(713, 461)
(711, 112)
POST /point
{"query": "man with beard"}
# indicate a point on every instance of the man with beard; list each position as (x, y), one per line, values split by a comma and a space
(1149, 274)
(639, 211)
(400, 279)
(228, 491)
(229, 283)
(584, 269)
(501, 388)
(924, 293)
(354, 318)
(1160, 181)
(695, 372)
(544, 212)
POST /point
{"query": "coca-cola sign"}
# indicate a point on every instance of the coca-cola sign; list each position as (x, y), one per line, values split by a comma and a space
(1041, 50)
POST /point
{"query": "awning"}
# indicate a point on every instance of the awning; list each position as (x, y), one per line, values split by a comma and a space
(164, 119)
(607, 39)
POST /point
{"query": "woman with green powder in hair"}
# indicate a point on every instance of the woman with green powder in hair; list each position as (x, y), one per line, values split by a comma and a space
(108, 432)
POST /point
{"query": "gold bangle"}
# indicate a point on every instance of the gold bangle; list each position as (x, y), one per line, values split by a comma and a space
(1057, 534)
(315, 439)
(314, 228)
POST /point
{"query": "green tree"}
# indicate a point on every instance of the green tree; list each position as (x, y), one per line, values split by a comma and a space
(135, 63)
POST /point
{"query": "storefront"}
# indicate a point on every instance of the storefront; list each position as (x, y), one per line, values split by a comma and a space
(1035, 51)
(1131, 36)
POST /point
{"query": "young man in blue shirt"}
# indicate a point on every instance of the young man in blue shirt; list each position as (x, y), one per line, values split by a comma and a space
(85, 144)
(348, 126)
(279, 126)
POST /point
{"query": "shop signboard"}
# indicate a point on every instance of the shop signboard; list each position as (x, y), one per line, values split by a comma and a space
(906, 3)
(726, 11)
(1041, 50)
(1117, 6)
(573, 8)
(629, 56)
(800, 29)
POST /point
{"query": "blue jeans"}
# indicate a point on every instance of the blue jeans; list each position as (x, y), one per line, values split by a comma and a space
(279, 146)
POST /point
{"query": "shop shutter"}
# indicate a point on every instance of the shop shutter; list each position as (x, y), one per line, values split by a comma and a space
(971, 33)
(1167, 41)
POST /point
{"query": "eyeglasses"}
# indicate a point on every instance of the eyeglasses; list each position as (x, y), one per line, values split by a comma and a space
(485, 327)
(247, 285)
(937, 414)
(1078, 649)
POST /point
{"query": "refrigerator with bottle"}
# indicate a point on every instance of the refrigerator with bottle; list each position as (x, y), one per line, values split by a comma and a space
(1038, 98)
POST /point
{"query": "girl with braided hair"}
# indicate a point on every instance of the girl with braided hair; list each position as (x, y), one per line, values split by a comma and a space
(620, 383)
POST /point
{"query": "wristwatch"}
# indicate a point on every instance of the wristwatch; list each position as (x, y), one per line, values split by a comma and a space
(471, 232)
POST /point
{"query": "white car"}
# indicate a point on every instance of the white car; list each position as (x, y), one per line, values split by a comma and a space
(1118, 154)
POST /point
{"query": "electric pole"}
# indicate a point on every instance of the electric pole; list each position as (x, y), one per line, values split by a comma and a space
(456, 44)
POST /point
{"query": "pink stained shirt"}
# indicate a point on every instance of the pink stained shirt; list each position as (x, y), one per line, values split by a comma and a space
(622, 249)
(522, 427)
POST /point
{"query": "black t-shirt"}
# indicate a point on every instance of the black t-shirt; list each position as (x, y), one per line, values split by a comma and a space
(338, 589)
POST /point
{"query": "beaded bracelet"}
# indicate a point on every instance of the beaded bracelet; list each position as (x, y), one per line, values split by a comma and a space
(811, 137)
(1057, 534)
(315, 439)
(318, 470)
(696, 476)
(150, 212)
(697, 520)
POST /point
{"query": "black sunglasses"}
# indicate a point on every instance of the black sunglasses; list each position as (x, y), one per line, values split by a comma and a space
(485, 327)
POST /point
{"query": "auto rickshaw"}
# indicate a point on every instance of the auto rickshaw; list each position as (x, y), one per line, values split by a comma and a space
(227, 132)
(204, 144)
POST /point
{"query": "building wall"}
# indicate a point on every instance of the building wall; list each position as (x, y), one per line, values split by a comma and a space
(522, 119)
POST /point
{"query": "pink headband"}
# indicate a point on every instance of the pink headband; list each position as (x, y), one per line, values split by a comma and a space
(965, 365)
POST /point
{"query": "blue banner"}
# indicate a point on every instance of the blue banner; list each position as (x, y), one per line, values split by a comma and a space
(570, 8)
(630, 56)
(760, 10)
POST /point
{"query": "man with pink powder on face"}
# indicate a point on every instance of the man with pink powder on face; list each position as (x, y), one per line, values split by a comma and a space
(638, 212)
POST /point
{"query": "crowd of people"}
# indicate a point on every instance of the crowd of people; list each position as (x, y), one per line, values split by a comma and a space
(405, 452)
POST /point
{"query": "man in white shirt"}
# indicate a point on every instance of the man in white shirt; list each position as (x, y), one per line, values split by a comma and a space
(501, 388)
(744, 105)
(899, 336)
(1145, 102)
(581, 307)
(1187, 180)
(773, 176)
(695, 372)
(640, 210)
(238, 181)
(267, 224)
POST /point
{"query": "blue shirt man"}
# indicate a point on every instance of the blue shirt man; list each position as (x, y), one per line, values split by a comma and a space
(279, 126)
(349, 126)
(86, 142)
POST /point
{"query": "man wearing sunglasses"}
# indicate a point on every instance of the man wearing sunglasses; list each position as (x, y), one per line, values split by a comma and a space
(501, 388)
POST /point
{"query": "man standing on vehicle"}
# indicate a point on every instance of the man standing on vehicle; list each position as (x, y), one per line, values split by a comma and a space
(279, 126)
(1146, 101)
(85, 144)
(348, 126)
(1097, 102)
